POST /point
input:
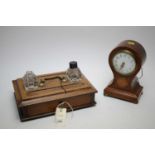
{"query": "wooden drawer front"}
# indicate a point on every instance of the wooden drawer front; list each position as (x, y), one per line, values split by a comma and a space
(48, 108)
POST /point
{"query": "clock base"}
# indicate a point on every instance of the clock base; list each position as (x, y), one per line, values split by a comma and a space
(131, 96)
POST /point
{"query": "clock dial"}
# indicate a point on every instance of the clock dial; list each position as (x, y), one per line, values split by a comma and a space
(124, 62)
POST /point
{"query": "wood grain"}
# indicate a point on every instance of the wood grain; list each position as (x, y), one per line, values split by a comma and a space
(126, 87)
(44, 100)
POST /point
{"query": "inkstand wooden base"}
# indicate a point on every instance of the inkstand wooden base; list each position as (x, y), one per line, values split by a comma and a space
(44, 100)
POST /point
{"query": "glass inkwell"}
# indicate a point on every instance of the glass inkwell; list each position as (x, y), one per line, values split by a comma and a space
(31, 82)
(73, 73)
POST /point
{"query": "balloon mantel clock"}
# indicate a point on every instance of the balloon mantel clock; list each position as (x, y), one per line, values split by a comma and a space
(126, 61)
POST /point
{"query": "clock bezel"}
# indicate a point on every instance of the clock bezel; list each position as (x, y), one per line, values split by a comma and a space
(126, 52)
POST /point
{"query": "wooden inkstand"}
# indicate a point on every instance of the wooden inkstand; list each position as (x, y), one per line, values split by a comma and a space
(48, 92)
(126, 61)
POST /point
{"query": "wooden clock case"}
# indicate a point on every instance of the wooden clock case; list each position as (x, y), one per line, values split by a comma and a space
(127, 87)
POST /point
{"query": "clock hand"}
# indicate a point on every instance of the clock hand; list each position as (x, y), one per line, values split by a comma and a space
(122, 65)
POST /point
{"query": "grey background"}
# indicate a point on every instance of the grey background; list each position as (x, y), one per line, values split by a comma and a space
(49, 49)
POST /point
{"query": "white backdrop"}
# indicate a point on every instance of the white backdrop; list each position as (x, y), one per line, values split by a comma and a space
(49, 49)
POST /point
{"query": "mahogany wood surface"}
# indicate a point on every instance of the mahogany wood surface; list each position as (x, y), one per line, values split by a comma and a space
(44, 100)
(126, 87)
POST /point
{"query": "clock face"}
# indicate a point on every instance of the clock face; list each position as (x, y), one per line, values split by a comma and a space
(124, 62)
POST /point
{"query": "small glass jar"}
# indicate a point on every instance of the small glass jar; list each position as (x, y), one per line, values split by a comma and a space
(31, 81)
(73, 72)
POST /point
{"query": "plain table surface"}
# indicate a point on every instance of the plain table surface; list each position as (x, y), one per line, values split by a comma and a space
(50, 49)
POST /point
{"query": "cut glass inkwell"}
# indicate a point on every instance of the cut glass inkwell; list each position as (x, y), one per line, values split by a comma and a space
(31, 82)
(73, 72)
